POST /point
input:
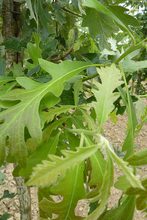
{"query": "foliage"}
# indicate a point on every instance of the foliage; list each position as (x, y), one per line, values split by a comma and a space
(5, 216)
(75, 71)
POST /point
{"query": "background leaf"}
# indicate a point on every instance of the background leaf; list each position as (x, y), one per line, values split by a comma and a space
(99, 7)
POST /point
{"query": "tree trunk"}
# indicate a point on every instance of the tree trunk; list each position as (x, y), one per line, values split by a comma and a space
(11, 27)
(24, 199)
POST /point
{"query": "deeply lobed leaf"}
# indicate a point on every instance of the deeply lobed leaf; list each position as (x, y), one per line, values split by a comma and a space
(65, 209)
(25, 113)
(49, 172)
(104, 92)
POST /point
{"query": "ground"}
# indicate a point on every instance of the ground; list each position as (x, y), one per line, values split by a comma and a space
(115, 133)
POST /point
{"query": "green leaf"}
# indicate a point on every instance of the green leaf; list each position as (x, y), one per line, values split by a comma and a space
(128, 171)
(27, 83)
(97, 163)
(56, 111)
(141, 202)
(53, 127)
(78, 87)
(121, 13)
(5, 216)
(7, 194)
(141, 109)
(24, 114)
(6, 84)
(133, 66)
(138, 158)
(99, 24)
(49, 172)
(131, 50)
(104, 92)
(121, 212)
(61, 69)
(128, 144)
(122, 183)
(66, 207)
(40, 154)
(141, 113)
(104, 191)
(34, 52)
(30, 7)
(99, 7)
(5, 79)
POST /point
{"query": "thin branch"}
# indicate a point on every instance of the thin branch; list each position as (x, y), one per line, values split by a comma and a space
(90, 77)
(71, 12)
(61, 57)
(95, 74)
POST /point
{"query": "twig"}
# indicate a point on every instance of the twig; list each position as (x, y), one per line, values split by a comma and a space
(71, 12)
(61, 57)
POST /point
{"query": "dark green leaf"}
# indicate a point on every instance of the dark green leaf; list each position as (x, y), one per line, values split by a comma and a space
(5, 216)
(7, 194)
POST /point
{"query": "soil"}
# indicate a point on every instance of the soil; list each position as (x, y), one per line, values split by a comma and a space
(115, 133)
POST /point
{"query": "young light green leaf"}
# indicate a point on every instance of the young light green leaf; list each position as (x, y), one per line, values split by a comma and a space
(104, 191)
(133, 66)
(140, 108)
(49, 172)
(121, 212)
(141, 113)
(24, 114)
(61, 69)
(27, 83)
(97, 169)
(128, 171)
(34, 52)
(122, 183)
(104, 92)
(128, 144)
(78, 87)
(66, 207)
(138, 158)
(56, 111)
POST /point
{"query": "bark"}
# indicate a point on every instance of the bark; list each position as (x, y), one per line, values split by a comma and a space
(24, 199)
(11, 27)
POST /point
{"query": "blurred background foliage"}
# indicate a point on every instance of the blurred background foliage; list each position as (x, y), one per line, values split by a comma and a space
(58, 30)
